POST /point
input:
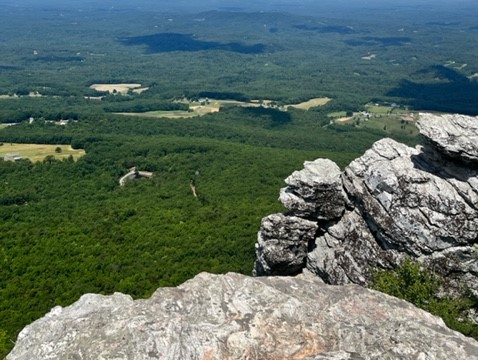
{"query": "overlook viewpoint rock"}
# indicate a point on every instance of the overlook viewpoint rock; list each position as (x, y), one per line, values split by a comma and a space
(232, 316)
(391, 203)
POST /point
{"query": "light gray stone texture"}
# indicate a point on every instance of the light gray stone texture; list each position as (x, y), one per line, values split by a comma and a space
(232, 316)
(397, 202)
(316, 191)
(282, 244)
(453, 135)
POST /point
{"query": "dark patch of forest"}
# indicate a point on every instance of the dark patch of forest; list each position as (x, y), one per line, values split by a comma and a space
(167, 42)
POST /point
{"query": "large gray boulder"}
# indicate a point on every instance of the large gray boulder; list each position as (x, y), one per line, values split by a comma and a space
(409, 208)
(233, 316)
(453, 135)
(283, 243)
(345, 252)
(398, 202)
(316, 191)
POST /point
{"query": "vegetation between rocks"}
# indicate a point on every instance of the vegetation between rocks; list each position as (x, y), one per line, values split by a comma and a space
(412, 282)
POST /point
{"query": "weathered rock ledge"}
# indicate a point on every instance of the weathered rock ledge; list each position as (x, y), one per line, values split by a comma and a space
(392, 202)
(238, 317)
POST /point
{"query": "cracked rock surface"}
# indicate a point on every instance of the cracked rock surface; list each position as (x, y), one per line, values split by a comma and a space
(393, 202)
(232, 316)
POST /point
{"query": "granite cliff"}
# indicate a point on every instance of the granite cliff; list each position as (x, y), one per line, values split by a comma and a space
(391, 203)
(234, 316)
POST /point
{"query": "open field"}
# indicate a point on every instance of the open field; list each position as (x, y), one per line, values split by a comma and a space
(120, 88)
(384, 109)
(389, 119)
(194, 110)
(391, 124)
(306, 105)
(253, 103)
(174, 114)
(311, 103)
(214, 105)
(344, 119)
(38, 152)
(204, 109)
(337, 114)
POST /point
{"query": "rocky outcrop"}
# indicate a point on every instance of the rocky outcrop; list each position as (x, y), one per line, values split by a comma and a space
(393, 202)
(316, 191)
(238, 317)
(284, 255)
(453, 135)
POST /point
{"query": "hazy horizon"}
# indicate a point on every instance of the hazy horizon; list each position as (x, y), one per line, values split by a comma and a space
(236, 5)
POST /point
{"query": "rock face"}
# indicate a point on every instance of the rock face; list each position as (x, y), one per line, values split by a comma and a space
(315, 191)
(284, 255)
(238, 317)
(393, 202)
(453, 135)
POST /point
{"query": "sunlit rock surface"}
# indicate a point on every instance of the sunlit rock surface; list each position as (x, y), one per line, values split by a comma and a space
(233, 316)
(315, 191)
(453, 135)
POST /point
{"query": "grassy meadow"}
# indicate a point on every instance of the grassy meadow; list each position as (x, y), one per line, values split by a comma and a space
(38, 152)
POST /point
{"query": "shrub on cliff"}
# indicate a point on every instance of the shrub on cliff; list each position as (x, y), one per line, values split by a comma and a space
(420, 286)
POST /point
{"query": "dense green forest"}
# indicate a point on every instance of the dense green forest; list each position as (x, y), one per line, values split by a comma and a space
(67, 227)
(355, 56)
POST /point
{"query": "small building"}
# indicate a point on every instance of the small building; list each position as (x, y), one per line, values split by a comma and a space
(12, 157)
(134, 174)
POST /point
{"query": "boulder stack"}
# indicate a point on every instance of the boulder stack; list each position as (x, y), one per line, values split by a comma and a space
(391, 203)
